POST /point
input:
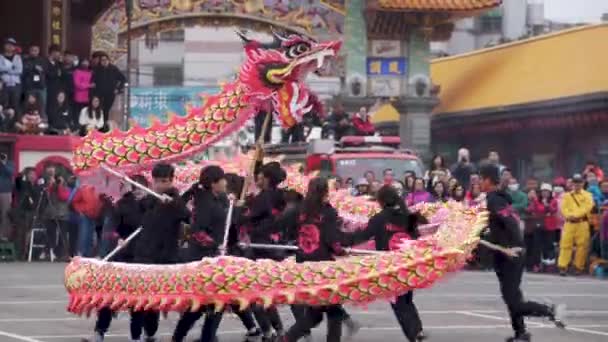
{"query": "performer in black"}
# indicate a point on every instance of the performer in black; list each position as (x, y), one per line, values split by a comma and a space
(127, 218)
(318, 240)
(158, 241)
(261, 219)
(509, 266)
(211, 209)
(388, 228)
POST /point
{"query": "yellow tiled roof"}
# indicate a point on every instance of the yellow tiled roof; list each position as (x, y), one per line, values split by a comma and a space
(563, 64)
(439, 5)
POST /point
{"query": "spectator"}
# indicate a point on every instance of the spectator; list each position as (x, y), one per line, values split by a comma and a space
(54, 78)
(436, 171)
(592, 167)
(519, 200)
(576, 207)
(34, 77)
(361, 187)
(532, 183)
(7, 115)
(419, 195)
(505, 177)
(593, 186)
(374, 187)
(11, 68)
(388, 177)
(550, 233)
(369, 176)
(558, 195)
(408, 183)
(604, 193)
(30, 121)
(87, 205)
(337, 124)
(68, 66)
(61, 115)
(569, 186)
(534, 226)
(293, 134)
(452, 183)
(7, 170)
(475, 178)
(55, 212)
(96, 58)
(28, 197)
(439, 192)
(362, 123)
(494, 159)
(91, 117)
(458, 193)
(82, 85)
(109, 81)
(475, 196)
(463, 169)
(349, 184)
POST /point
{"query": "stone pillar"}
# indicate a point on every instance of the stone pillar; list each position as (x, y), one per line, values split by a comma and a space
(56, 14)
(416, 107)
(355, 48)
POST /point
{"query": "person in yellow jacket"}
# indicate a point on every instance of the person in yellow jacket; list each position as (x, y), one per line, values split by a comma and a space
(575, 208)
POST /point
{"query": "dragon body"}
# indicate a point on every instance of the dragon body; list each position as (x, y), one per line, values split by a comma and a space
(93, 284)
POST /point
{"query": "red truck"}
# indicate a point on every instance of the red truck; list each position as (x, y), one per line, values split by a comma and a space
(351, 157)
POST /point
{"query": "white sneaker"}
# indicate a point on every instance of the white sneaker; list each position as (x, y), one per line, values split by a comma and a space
(42, 256)
(559, 315)
(52, 256)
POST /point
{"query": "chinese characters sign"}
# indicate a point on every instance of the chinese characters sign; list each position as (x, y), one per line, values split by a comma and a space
(386, 66)
(160, 102)
(56, 22)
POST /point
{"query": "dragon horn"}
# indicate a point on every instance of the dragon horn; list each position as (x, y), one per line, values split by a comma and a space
(243, 36)
(278, 35)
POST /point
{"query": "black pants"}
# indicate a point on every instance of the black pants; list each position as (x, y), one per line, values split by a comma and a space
(246, 317)
(210, 327)
(268, 319)
(549, 238)
(509, 273)
(146, 321)
(107, 100)
(296, 133)
(534, 246)
(56, 237)
(14, 94)
(407, 315)
(299, 312)
(312, 317)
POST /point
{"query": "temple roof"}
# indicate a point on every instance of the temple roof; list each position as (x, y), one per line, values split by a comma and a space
(566, 64)
(438, 5)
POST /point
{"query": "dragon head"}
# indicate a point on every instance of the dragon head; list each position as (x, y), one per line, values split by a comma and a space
(277, 70)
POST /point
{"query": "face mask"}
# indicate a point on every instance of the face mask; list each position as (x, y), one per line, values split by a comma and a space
(513, 187)
(558, 189)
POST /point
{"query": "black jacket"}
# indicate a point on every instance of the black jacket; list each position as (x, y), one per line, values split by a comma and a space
(60, 117)
(208, 226)
(503, 223)
(158, 242)
(127, 216)
(107, 80)
(28, 195)
(54, 79)
(264, 209)
(387, 228)
(34, 75)
(318, 238)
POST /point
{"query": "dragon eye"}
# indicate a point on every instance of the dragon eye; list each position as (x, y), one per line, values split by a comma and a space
(297, 50)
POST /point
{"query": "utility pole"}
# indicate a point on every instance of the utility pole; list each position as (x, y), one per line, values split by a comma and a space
(127, 111)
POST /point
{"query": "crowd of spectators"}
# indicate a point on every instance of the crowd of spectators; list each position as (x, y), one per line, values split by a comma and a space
(59, 94)
(556, 218)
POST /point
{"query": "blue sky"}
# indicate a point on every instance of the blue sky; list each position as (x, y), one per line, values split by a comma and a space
(575, 10)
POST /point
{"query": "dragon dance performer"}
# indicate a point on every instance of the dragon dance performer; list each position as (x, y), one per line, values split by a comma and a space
(127, 217)
(158, 241)
(318, 240)
(504, 230)
(261, 220)
(388, 228)
(209, 224)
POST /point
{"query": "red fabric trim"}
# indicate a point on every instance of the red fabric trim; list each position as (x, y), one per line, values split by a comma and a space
(203, 238)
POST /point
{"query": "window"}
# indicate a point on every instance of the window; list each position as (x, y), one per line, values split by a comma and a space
(168, 76)
(490, 24)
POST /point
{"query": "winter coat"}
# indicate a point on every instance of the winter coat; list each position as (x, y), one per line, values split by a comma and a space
(86, 202)
(419, 197)
(82, 84)
(34, 75)
(11, 70)
(503, 221)
(127, 217)
(318, 238)
(388, 228)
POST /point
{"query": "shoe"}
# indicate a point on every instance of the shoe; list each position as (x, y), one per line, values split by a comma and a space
(523, 337)
(42, 256)
(563, 273)
(421, 336)
(558, 314)
(308, 338)
(253, 336)
(97, 337)
(52, 256)
(150, 339)
(352, 328)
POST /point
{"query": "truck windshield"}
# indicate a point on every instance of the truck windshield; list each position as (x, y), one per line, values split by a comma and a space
(355, 168)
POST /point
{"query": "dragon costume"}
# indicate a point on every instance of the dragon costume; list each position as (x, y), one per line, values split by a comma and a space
(271, 72)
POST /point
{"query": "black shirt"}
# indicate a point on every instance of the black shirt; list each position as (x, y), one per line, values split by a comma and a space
(388, 228)
(503, 222)
(318, 238)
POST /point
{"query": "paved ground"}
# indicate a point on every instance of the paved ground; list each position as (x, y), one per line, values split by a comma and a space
(464, 307)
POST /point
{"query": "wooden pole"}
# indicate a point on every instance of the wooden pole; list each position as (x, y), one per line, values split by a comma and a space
(256, 156)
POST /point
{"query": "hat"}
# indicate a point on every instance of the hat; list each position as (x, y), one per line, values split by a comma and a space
(361, 181)
(577, 178)
(546, 186)
(10, 41)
